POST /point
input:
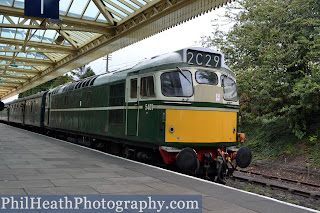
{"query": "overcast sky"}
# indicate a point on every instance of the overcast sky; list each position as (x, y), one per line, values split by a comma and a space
(179, 37)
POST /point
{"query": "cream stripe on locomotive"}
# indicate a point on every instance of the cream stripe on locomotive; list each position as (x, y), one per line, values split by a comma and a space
(94, 109)
(141, 107)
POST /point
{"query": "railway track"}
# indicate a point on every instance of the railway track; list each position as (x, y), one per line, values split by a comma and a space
(296, 187)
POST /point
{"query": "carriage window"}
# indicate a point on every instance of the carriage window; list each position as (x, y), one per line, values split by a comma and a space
(147, 87)
(177, 84)
(133, 88)
(229, 88)
(206, 77)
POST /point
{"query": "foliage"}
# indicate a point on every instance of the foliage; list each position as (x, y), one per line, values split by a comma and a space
(80, 73)
(46, 86)
(89, 72)
(274, 47)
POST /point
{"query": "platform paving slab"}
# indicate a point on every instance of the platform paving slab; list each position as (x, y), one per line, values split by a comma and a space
(33, 164)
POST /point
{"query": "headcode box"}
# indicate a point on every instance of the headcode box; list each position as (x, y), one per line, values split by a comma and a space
(42, 8)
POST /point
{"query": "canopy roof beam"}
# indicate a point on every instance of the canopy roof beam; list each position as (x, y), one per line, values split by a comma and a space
(23, 78)
(21, 71)
(104, 11)
(39, 62)
(46, 47)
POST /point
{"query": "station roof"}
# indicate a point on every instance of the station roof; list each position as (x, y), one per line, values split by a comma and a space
(35, 50)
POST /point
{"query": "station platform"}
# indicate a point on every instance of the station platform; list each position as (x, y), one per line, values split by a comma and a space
(33, 164)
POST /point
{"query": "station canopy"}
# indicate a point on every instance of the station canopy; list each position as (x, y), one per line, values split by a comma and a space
(34, 50)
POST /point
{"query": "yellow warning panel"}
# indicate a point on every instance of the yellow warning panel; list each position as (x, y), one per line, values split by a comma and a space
(193, 126)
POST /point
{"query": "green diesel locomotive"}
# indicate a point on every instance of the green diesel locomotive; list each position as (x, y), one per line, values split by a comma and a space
(181, 107)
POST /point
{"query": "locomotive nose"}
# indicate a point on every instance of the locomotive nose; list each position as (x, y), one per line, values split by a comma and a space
(243, 157)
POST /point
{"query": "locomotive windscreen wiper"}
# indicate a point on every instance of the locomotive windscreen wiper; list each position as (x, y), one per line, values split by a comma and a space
(183, 74)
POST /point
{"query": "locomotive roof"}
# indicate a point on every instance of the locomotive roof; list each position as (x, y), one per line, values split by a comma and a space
(172, 58)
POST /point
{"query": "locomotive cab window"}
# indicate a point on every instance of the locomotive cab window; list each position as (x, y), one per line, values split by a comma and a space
(177, 84)
(206, 77)
(229, 88)
(147, 87)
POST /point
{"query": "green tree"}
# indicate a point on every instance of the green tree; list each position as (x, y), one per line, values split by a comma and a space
(46, 86)
(274, 49)
(82, 72)
(89, 72)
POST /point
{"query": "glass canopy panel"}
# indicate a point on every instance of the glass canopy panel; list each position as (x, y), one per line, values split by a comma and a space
(15, 19)
(8, 32)
(117, 17)
(39, 55)
(122, 6)
(48, 36)
(77, 8)
(63, 6)
(141, 2)
(84, 35)
(6, 2)
(41, 34)
(132, 4)
(91, 12)
(34, 37)
(66, 43)
(5, 21)
(116, 10)
(19, 3)
(101, 18)
(21, 34)
(31, 55)
(22, 55)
